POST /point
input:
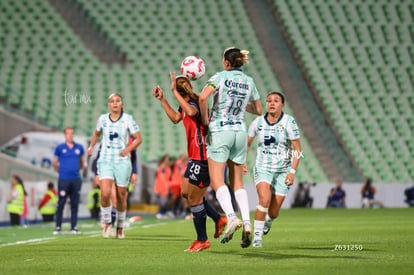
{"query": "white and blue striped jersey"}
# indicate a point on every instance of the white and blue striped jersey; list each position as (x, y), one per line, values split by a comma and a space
(233, 91)
(274, 146)
(115, 136)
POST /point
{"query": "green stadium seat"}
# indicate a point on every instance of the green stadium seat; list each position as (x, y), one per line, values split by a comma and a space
(357, 37)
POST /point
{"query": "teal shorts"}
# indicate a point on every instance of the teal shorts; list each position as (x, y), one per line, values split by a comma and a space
(119, 172)
(275, 179)
(222, 146)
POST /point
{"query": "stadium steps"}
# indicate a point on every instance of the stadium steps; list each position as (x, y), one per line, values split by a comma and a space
(362, 50)
(43, 56)
(336, 164)
(90, 33)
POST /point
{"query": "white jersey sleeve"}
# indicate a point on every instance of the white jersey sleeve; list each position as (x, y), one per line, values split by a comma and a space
(255, 93)
(253, 127)
(99, 123)
(292, 129)
(132, 126)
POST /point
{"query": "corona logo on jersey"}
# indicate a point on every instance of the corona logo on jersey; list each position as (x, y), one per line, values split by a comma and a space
(231, 84)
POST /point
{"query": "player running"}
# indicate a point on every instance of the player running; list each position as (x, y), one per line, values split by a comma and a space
(276, 162)
(114, 164)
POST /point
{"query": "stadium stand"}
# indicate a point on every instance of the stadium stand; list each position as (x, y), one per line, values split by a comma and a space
(358, 57)
(43, 60)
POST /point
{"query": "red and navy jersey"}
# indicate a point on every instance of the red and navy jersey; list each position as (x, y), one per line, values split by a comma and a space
(196, 133)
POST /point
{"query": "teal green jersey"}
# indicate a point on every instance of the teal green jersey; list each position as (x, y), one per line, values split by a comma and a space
(233, 91)
(274, 146)
(115, 136)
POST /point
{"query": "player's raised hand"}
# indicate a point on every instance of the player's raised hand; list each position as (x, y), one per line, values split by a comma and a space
(157, 93)
(173, 81)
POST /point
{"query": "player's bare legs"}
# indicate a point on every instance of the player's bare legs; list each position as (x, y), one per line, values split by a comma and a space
(236, 179)
(216, 171)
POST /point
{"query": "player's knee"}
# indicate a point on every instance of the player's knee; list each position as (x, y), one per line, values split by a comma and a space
(262, 209)
(194, 200)
(273, 213)
(264, 202)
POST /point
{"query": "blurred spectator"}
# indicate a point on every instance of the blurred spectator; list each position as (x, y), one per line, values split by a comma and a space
(48, 205)
(15, 200)
(368, 193)
(302, 196)
(409, 196)
(23, 216)
(178, 168)
(337, 196)
(161, 186)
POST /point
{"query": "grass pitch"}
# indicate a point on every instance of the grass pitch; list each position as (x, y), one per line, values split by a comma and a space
(301, 241)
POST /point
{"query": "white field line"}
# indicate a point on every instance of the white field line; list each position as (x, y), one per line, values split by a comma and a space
(89, 234)
(32, 241)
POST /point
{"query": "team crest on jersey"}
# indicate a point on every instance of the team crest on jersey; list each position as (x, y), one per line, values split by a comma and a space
(269, 140)
(280, 128)
(113, 135)
(64, 151)
(77, 151)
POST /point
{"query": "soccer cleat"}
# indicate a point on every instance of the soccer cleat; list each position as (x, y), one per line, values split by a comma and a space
(106, 232)
(57, 231)
(257, 243)
(120, 233)
(198, 246)
(246, 236)
(220, 225)
(234, 225)
(75, 231)
(267, 226)
(191, 246)
(160, 216)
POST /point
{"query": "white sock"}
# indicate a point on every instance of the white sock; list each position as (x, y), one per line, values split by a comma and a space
(106, 214)
(224, 198)
(242, 201)
(258, 229)
(121, 219)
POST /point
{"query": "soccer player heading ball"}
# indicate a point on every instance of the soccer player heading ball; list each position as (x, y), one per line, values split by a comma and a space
(233, 94)
(196, 176)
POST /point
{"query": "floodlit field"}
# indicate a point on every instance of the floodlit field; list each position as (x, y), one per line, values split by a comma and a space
(334, 241)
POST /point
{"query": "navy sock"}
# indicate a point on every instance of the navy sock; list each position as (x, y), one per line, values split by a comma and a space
(199, 220)
(113, 217)
(211, 211)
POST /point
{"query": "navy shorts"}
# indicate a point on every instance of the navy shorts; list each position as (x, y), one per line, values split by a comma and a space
(197, 173)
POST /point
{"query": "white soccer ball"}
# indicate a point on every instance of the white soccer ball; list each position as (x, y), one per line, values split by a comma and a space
(193, 67)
